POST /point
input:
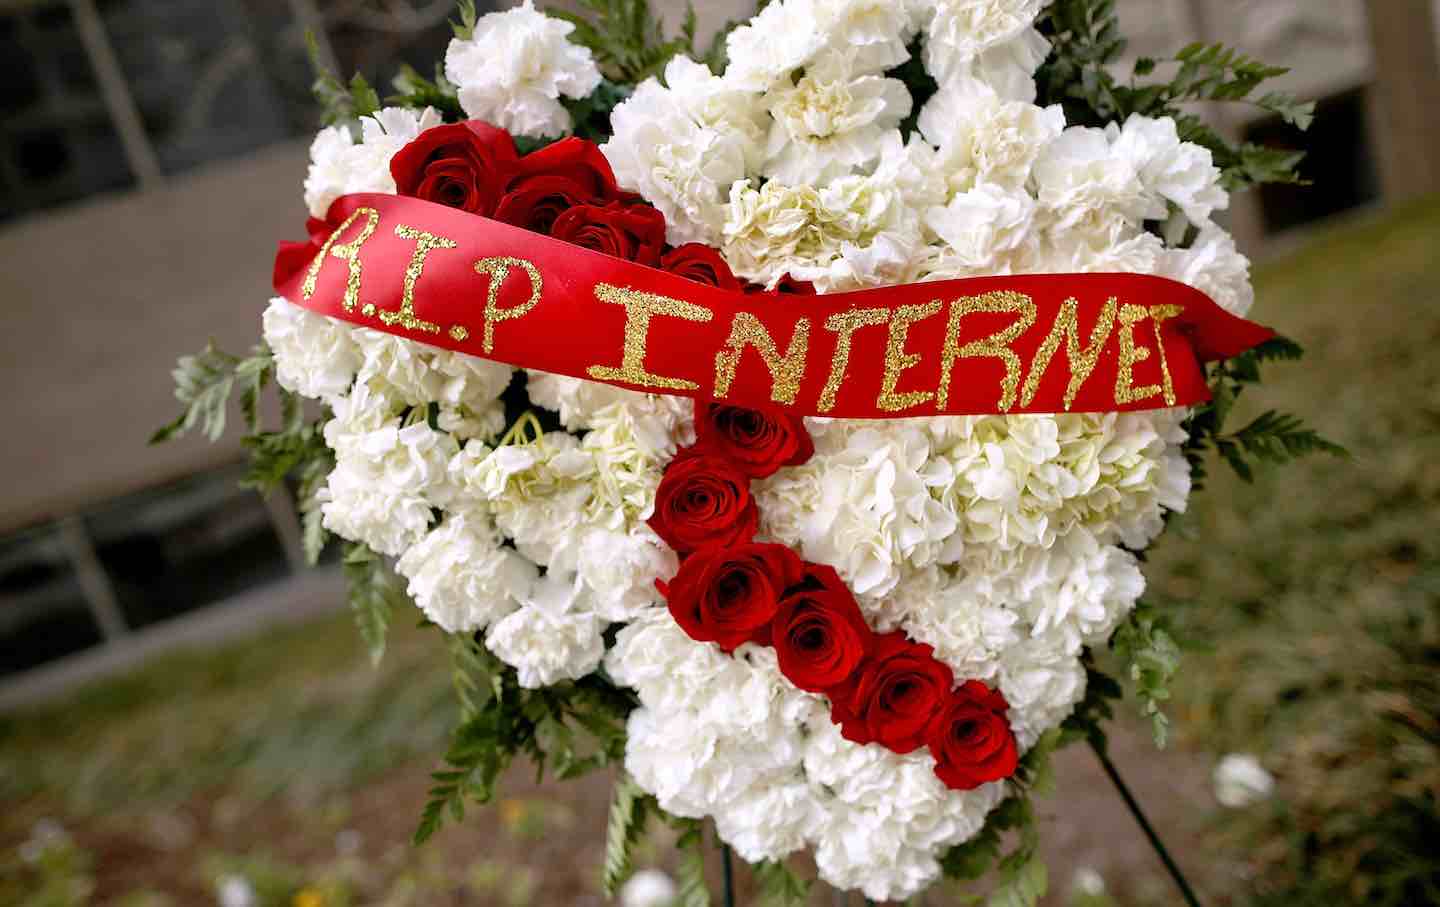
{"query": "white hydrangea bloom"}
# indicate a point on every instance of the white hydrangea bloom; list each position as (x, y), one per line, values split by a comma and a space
(554, 635)
(315, 356)
(462, 577)
(339, 165)
(513, 70)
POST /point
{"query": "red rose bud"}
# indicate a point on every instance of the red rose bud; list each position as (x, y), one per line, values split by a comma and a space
(703, 501)
(971, 738)
(577, 162)
(634, 232)
(729, 595)
(702, 264)
(758, 441)
(894, 696)
(461, 165)
(820, 636)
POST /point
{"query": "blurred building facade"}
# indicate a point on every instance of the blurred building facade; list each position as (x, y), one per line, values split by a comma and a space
(150, 155)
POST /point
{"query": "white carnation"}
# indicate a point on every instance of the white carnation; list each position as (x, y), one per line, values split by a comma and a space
(985, 228)
(963, 30)
(830, 121)
(683, 150)
(463, 578)
(1042, 682)
(1084, 184)
(515, 67)
(339, 165)
(315, 356)
(1214, 266)
(984, 138)
(862, 505)
(386, 481)
(554, 636)
(1182, 173)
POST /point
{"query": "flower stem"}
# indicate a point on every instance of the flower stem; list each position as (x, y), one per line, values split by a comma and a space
(727, 874)
(1155, 843)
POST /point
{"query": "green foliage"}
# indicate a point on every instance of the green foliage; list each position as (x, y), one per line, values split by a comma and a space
(339, 102)
(921, 85)
(690, 871)
(1147, 647)
(465, 28)
(414, 91)
(630, 806)
(375, 593)
(1086, 43)
(204, 384)
(1021, 874)
(571, 728)
(1273, 437)
(591, 114)
(477, 675)
(779, 887)
(628, 40)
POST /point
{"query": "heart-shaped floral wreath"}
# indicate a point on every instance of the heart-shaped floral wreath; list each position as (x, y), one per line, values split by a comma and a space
(842, 636)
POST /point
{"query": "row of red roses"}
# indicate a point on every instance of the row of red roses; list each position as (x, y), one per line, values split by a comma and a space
(566, 190)
(730, 590)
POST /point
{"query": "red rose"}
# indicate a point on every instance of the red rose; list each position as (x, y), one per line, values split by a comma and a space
(971, 738)
(758, 441)
(462, 165)
(702, 264)
(575, 161)
(634, 232)
(894, 696)
(729, 595)
(703, 501)
(540, 202)
(820, 636)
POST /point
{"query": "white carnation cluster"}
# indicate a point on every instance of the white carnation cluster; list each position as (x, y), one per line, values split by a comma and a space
(1003, 542)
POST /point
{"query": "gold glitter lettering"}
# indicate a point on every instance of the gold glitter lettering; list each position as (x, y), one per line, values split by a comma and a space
(996, 346)
(897, 360)
(1082, 359)
(786, 372)
(639, 309)
(346, 252)
(1159, 314)
(1130, 354)
(845, 324)
(424, 244)
(498, 269)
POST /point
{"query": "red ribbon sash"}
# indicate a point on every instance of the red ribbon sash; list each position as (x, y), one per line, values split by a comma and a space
(1017, 344)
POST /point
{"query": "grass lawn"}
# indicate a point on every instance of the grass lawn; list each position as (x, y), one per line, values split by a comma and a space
(1310, 598)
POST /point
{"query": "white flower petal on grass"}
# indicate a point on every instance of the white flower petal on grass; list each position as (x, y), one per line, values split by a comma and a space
(1240, 781)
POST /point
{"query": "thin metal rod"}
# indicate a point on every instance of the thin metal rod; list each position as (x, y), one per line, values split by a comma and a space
(139, 153)
(94, 582)
(727, 870)
(1155, 843)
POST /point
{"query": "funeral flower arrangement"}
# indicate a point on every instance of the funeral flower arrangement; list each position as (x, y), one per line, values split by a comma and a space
(855, 637)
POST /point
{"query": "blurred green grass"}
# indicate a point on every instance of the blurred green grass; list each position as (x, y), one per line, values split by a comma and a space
(1310, 605)
(1313, 596)
(297, 711)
